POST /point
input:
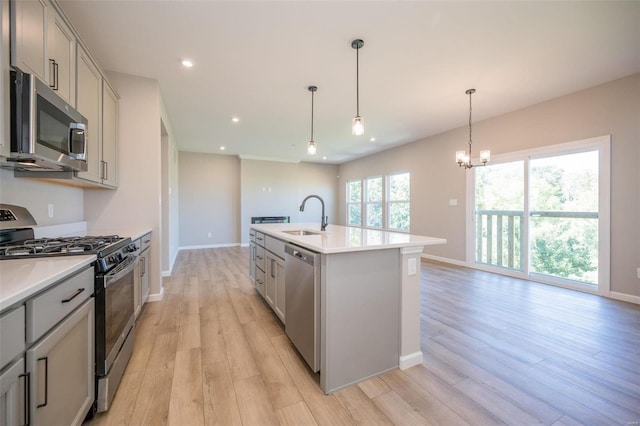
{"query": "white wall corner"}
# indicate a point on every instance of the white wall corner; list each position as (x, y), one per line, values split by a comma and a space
(410, 360)
(156, 297)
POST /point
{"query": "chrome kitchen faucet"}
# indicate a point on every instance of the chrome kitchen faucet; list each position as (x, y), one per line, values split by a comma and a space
(324, 220)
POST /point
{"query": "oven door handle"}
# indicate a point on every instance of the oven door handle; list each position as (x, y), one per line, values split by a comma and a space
(132, 261)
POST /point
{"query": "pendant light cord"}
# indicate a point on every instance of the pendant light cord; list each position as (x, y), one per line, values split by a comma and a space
(470, 93)
(312, 93)
(358, 81)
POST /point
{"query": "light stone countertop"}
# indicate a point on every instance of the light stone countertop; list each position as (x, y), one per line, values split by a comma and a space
(340, 239)
(22, 278)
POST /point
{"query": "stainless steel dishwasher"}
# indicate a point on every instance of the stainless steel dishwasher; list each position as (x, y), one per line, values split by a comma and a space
(302, 302)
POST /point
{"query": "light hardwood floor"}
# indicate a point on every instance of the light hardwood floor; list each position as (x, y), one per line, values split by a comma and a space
(497, 350)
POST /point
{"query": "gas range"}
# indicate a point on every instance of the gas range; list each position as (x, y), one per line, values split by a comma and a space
(17, 241)
(64, 246)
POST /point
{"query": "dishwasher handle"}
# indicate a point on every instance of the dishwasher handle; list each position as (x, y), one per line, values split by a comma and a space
(301, 254)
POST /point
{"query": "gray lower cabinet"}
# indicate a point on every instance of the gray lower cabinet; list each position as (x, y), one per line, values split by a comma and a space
(13, 383)
(252, 261)
(274, 286)
(141, 277)
(266, 268)
(61, 365)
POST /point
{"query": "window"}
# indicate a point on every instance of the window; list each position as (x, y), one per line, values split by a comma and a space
(373, 202)
(398, 204)
(354, 203)
(544, 214)
(380, 202)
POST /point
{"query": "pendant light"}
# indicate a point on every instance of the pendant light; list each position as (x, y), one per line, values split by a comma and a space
(357, 124)
(464, 158)
(311, 146)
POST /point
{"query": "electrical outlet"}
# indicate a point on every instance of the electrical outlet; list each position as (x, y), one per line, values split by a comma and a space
(638, 273)
(209, 235)
(412, 267)
(50, 210)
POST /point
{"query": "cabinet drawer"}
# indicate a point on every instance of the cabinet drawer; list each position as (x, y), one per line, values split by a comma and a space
(252, 235)
(260, 238)
(260, 257)
(47, 309)
(145, 242)
(275, 246)
(260, 281)
(13, 336)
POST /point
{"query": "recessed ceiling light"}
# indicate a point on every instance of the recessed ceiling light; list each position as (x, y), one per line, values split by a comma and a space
(187, 63)
(372, 140)
(235, 119)
(324, 158)
(222, 148)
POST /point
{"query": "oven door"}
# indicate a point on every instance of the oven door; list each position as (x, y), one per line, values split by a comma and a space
(115, 312)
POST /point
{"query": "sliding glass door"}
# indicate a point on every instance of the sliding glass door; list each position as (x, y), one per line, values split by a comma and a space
(544, 215)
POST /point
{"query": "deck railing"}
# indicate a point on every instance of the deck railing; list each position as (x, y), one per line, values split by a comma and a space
(499, 239)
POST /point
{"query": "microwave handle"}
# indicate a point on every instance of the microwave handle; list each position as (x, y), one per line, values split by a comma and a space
(77, 129)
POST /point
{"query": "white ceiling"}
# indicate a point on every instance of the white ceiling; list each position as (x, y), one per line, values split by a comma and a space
(255, 60)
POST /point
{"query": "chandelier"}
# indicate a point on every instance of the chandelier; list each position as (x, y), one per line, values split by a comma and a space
(463, 158)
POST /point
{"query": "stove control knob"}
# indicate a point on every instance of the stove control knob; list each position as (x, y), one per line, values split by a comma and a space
(119, 257)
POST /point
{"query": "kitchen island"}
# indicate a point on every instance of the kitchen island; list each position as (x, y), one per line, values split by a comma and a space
(369, 307)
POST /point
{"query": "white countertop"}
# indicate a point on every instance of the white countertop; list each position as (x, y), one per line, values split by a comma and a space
(339, 239)
(21, 278)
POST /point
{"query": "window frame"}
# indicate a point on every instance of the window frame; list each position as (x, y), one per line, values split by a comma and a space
(350, 203)
(389, 201)
(603, 145)
(366, 203)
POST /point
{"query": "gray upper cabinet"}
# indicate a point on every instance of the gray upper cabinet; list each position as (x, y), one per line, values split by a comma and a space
(89, 104)
(61, 56)
(44, 45)
(29, 37)
(109, 136)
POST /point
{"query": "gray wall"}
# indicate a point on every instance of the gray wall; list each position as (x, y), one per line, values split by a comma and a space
(36, 195)
(209, 199)
(270, 188)
(220, 193)
(610, 108)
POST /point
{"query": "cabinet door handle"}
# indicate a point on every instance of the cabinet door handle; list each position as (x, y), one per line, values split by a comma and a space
(56, 75)
(144, 266)
(52, 71)
(27, 397)
(106, 170)
(46, 381)
(273, 268)
(73, 296)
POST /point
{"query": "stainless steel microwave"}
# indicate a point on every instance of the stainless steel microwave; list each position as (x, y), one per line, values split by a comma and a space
(47, 134)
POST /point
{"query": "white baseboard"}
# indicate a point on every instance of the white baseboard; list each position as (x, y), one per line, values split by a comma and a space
(208, 246)
(446, 260)
(625, 297)
(411, 360)
(156, 297)
(244, 245)
(612, 294)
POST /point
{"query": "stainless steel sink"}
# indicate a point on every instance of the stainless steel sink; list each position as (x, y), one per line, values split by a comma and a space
(301, 232)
